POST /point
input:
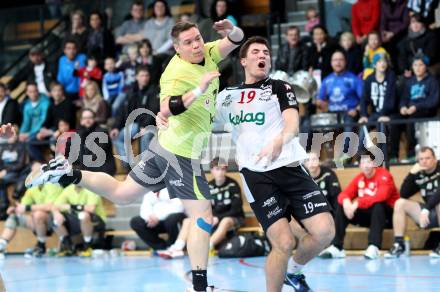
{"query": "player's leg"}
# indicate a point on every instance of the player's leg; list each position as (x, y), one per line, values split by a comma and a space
(219, 234)
(402, 208)
(12, 222)
(60, 228)
(40, 219)
(378, 220)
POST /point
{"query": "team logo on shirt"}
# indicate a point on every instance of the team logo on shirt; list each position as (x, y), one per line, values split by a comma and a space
(291, 98)
(227, 101)
(257, 118)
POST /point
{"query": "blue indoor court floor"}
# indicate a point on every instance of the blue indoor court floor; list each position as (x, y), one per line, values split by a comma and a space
(130, 274)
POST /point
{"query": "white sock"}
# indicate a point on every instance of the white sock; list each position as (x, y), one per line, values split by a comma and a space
(3, 244)
(293, 267)
(211, 246)
(41, 239)
(87, 239)
(179, 244)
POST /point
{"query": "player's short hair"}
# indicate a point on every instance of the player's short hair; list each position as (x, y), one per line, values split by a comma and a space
(427, 148)
(180, 27)
(217, 162)
(252, 40)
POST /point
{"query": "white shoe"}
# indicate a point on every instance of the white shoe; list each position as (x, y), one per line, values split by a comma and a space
(209, 289)
(51, 172)
(171, 253)
(332, 252)
(435, 254)
(2, 255)
(372, 252)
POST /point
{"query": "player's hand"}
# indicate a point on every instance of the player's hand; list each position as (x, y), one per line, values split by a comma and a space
(114, 133)
(20, 209)
(161, 121)
(363, 120)
(424, 219)
(152, 221)
(7, 131)
(223, 27)
(270, 152)
(207, 79)
(348, 210)
(412, 109)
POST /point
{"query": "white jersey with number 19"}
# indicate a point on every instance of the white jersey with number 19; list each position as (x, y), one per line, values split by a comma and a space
(255, 113)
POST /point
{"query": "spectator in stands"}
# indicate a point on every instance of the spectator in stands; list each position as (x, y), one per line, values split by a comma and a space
(131, 26)
(424, 177)
(60, 138)
(113, 82)
(352, 52)
(365, 18)
(153, 62)
(93, 100)
(142, 95)
(100, 41)
(220, 9)
(34, 115)
(341, 92)
(379, 95)
(32, 212)
(13, 157)
(292, 55)
(78, 30)
(373, 47)
(37, 71)
(337, 17)
(78, 211)
(320, 51)
(419, 99)
(9, 108)
(157, 29)
(87, 74)
(426, 9)
(128, 67)
(368, 200)
(66, 67)
(325, 178)
(158, 214)
(88, 158)
(312, 17)
(227, 205)
(420, 40)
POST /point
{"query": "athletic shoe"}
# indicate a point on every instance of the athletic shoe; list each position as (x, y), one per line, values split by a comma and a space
(29, 253)
(39, 250)
(170, 253)
(213, 252)
(66, 248)
(51, 172)
(209, 289)
(435, 253)
(86, 253)
(372, 252)
(332, 252)
(297, 281)
(2, 254)
(395, 251)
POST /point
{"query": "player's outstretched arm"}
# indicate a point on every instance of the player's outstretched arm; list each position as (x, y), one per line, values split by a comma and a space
(233, 36)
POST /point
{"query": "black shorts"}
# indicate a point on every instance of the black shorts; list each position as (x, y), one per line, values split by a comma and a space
(433, 219)
(183, 177)
(73, 224)
(282, 193)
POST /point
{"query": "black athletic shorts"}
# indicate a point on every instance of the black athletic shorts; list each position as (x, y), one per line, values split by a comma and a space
(282, 193)
(183, 177)
(73, 224)
(433, 219)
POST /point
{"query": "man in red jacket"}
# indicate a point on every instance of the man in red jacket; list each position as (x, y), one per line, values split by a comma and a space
(368, 201)
(365, 16)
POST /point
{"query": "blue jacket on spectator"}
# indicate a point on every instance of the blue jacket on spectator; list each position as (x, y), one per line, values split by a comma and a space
(34, 116)
(112, 85)
(66, 70)
(423, 94)
(343, 91)
(382, 96)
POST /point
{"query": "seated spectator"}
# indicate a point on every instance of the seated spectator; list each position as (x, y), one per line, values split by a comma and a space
(379, 94)
(420, 40)
(78, 211)
(424, 177)
(142, 95)
(37, 71)
(78, 31)
(157, 29)
(66, 68)
(325, 178)
(88, 158)
(365, 18)
(87, 74)
(341, 91)
(372, 48)
(368, 200)
(292, 55)
(100, 41)
(220, 9)
(13, 157)
(34, 115)
(158, 214)
(94, 101)
(9, 108)
(153, 62)
(33, 212)
(419, 99)
(312, 17)
(352, 51)
(60, 138)
(113, 82)
(128, 67)
(320, 51)
(131, 26)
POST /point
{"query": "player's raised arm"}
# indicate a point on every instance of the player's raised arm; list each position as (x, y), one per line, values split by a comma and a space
(233, 36)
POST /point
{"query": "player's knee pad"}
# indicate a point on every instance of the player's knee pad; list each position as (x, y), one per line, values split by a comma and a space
(202, 224)
(12, 222)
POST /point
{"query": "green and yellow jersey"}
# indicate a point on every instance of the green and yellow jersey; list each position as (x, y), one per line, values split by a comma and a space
(44, 194)
(188, 133)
